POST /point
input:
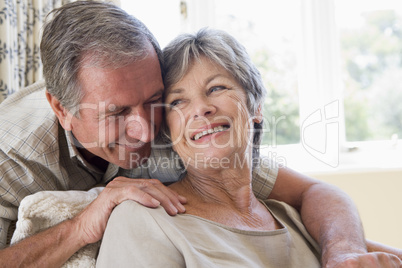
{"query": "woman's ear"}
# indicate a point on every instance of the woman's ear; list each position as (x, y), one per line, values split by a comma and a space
(258, 117)
(62, 114)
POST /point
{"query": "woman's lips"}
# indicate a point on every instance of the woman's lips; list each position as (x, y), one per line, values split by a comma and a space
(209, 130)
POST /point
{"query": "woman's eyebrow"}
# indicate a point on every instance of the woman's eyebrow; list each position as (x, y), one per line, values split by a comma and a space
(206, 82)
(213, 77)
(174, 91)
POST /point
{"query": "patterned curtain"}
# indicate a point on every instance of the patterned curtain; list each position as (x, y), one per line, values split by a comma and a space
(20, 24)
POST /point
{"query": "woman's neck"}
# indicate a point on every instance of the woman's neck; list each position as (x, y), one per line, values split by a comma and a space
(214, 179)
(224, 196)
(229, 187)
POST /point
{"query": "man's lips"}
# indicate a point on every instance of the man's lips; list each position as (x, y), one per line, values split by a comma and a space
(208, 130)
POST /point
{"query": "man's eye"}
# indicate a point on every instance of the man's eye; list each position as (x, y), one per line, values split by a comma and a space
(120, 112)
(154, 101)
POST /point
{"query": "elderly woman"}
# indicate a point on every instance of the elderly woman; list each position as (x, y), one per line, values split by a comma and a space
(214, 96)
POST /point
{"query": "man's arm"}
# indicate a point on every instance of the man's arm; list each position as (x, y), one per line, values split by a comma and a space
(50, 248)
(54, 246)
(331, 218)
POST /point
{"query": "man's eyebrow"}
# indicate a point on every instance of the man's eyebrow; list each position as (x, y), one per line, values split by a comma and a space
(112, 108)
(157, 94)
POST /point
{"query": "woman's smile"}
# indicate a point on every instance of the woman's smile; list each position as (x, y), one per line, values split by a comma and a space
(209, 131)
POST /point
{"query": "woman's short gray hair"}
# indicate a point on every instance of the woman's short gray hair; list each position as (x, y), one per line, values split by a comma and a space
(100, 34)
(225, 50)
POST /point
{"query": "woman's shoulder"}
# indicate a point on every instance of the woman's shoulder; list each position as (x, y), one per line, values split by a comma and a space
(129, 213)
(129, 207)
(291, 218)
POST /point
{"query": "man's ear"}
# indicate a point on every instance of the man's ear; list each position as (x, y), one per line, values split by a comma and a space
(62, 114)
(258, 115)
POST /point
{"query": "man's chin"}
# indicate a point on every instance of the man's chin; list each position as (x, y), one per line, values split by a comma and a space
(135, 159)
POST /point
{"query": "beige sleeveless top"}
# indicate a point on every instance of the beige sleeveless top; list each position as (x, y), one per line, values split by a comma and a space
(141, 237)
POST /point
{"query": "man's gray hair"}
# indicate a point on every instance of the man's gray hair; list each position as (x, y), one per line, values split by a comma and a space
(224, 50)
(89, 32)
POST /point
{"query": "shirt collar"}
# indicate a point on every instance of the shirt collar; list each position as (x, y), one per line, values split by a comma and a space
(72, 142)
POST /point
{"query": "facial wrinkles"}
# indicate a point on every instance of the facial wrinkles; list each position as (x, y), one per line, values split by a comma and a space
(240, 136)
(133, 125)
(208, 187)
(111, 128)
(244, 127)
(112, 96)
(194, 85)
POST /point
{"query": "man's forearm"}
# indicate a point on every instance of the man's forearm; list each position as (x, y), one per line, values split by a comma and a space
(50, 248)
(328, 213)
(333, 221)
(54, 246)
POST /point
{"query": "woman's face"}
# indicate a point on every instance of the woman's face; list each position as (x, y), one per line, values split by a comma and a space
(207, 116)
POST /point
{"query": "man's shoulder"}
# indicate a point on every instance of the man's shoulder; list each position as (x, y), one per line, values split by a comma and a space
(27, 123)
(265, 173)
(32, 94)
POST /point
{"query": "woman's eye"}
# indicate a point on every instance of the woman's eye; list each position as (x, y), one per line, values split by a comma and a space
(174, 103)
(213, 89)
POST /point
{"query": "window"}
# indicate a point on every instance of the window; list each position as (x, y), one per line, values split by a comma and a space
(162, 17)
(371, 52)
(268, 30)
(333, 70)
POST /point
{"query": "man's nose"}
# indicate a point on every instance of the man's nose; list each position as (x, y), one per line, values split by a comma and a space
(139, 126)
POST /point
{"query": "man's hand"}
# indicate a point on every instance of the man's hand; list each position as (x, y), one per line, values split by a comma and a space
(374, 246)
(367, 260)
(148, 192)
(53, 247)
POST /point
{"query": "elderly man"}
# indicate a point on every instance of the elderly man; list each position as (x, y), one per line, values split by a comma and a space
(94, 120)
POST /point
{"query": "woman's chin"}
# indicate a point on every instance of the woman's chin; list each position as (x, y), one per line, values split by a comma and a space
(216, 158)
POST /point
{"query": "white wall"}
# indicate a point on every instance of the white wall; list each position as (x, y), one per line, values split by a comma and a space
(378, 197)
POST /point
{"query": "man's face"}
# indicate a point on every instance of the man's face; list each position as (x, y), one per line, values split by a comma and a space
(121, 111)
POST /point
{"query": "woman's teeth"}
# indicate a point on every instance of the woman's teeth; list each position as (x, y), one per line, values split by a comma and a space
(210, 131)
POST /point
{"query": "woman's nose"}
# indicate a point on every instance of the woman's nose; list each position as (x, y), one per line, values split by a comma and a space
(202, 107)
